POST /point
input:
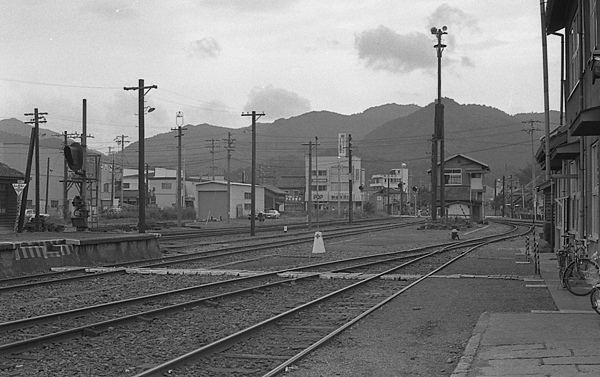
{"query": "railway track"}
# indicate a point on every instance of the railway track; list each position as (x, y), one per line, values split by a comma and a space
(245, 248)
(297, 285)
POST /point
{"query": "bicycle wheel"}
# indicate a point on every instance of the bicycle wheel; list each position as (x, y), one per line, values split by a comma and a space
(595, 299)
(575, 275)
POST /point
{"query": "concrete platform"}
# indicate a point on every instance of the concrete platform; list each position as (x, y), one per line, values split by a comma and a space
(565, 342)
(29, 253)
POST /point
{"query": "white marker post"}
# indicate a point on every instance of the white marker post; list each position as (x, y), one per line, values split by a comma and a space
(318, 246)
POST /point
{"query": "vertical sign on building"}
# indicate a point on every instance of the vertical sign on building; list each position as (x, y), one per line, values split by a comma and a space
(342, 145)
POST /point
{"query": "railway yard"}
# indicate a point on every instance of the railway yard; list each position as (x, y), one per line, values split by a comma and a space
(387, 298)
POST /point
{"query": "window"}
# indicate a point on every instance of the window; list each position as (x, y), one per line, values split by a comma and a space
(247, 206)
(573, 54)
(3, 198)
(248, 195)
(166, 186)
(125, 185)
(594, 38)
(106, 187)
(453, 177)
(54, 204)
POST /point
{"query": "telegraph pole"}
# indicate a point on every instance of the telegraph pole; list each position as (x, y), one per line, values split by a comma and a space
(350, 181)
(212, 153)
(309, 206)
(530, 131)
(179, 135)
(254, 116)
(229, 141)
(47, 184)
(142, 91)
(37, 119)
(112, 176)
(121, 141)
(84, 166)
(317, 178)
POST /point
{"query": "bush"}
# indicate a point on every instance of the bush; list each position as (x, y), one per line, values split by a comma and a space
(369, 208)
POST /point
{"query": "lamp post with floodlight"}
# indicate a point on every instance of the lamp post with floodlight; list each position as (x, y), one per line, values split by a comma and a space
(439, 128)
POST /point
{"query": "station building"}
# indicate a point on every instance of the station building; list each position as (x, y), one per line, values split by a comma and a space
(572, 195)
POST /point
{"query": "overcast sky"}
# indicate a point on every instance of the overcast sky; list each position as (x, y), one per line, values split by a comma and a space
(214, 59)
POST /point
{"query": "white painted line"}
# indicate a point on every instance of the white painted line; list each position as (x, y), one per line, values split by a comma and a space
(476, 230)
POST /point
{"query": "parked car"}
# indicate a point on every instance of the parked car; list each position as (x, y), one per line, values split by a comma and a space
(30, 214)
(257, 215)
(272, 214)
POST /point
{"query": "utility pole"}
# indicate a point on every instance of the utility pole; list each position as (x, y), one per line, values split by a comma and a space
(229, 141)
(212, 153)
(47, 184)
(434, 176)
(178, 117)
(309, 190)
(530, 131)
(37, 119)
(147, 185)
(350, 181)
(24, 195)
(112, 176)
(389, 207)
(121, 141)
(512, 207)
(317, 178)
(84, 158)
(254, 116)
(142, 91)
(503, 195)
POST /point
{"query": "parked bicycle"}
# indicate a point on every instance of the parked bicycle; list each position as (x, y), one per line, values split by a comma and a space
(576, 270)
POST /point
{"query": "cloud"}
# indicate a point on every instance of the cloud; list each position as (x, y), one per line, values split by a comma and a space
(276, 102)
(465, 61)
(384, 49)
(205, 48)
(115, 9)
(249, 5)
(445, 15)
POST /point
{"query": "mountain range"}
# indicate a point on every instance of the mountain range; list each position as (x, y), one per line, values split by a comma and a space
(383, 137)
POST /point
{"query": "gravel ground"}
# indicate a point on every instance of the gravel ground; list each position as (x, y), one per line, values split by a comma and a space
(421, 333)
(425, 330)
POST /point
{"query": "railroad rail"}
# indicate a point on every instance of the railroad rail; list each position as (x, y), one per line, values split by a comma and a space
(297, 279)
(7, 285)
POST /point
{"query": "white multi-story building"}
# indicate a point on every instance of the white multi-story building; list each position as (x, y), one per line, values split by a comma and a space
(330, 185)
(391, 180)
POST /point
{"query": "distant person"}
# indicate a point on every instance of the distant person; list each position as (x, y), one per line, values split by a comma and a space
(261, 217)
(454, 233)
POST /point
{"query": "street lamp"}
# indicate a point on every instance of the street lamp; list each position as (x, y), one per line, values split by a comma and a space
(439, 129)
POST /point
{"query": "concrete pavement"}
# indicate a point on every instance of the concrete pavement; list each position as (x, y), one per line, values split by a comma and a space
(561, 343)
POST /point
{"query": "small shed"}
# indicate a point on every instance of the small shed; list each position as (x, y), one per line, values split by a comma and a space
(211, 199)
(8, 197)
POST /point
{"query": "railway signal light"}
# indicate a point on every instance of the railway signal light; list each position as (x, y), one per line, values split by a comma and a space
(74, 157)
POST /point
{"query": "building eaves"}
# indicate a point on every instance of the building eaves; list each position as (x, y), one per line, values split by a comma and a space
(8, 172)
